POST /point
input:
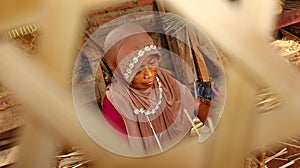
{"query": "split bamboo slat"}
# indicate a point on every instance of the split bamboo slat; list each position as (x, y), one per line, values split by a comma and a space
(43, 85)
(185, 52)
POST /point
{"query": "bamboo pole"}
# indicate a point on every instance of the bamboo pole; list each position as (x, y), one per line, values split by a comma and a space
(262, 13)
(235, 131)
(37, 147)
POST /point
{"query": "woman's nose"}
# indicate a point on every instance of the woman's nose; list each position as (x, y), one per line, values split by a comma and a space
(148, 73)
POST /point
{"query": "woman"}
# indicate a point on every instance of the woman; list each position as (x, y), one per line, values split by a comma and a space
(143, 101)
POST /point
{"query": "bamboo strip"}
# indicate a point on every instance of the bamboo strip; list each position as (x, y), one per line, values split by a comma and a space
(9, 156)
(281, 159)
(198, 57)
(290, 156)
(191, 121)
(289, 163)
(282, 152)
(292, 145)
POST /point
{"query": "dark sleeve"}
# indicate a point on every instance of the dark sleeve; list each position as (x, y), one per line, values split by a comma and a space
(113, 117)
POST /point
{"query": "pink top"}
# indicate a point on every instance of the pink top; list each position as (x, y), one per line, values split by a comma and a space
(112, 116)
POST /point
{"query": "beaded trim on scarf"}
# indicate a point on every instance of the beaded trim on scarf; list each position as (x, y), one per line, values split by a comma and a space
(152, 111)
(136, 60)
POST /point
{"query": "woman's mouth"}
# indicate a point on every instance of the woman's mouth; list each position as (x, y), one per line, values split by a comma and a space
(150, 83)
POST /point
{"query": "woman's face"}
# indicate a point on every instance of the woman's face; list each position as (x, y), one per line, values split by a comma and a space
(146, 77)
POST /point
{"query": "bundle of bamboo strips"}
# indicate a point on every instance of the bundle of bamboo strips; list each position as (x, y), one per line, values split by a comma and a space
(73, 159)
(287, 155)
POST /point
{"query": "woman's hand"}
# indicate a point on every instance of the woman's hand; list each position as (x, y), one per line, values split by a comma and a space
(204, 90)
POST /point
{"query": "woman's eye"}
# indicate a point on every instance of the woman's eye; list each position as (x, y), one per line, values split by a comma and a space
(141, 68)
(152, 62)
(139, 72)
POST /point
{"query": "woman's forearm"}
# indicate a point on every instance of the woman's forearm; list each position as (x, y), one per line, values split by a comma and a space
(202, 108)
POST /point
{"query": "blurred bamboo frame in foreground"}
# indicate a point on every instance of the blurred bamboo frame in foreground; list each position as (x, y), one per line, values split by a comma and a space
(242, 31)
